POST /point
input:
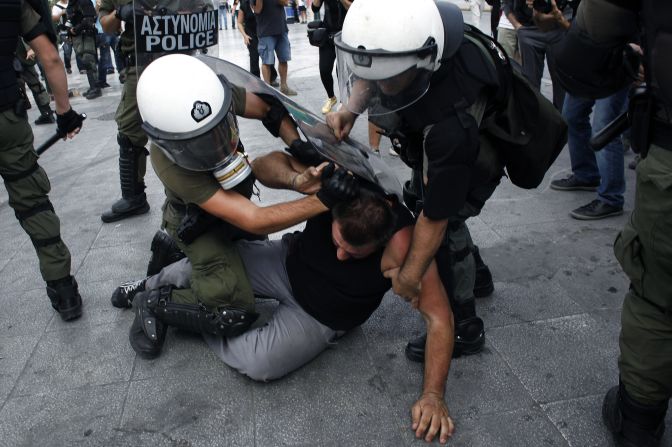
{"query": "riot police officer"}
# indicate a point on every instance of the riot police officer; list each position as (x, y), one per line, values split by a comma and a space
(26, 182)
(82, 16)
(130, 137)
(198, 156)
(594, 61)
(429, 88)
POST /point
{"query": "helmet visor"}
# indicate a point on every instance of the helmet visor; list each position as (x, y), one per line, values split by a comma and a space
(205, 150)
(381, 81)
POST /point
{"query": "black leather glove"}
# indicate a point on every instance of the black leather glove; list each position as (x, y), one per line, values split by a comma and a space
(69, 121)
(305, 153)
(337, 186)
(125, 13)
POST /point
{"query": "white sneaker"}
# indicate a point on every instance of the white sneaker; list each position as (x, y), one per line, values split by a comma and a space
(393, 152)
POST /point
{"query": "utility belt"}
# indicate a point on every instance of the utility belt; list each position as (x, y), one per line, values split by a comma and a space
(195, 221)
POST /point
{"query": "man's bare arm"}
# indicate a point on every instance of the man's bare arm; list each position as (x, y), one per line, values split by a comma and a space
(427, 237)
(241, 212)
(430, 413)
(241, 27)
(281, 171)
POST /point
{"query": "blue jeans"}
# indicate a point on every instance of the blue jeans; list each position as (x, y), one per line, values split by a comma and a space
(222, 18)
(605, 166)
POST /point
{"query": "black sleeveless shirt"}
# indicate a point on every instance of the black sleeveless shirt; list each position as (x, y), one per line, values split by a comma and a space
(338, 294)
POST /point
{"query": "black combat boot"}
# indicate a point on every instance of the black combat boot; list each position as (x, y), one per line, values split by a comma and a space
(164, 252)
(483, 285)
(93, 91)
(155, 310)
(122, 297)
(632, 423)
(147, 333)
(133, 199)
(46, 116)
(65, 298)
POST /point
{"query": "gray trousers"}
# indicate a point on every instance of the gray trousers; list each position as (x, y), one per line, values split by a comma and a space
(534, 45)
(288, 340)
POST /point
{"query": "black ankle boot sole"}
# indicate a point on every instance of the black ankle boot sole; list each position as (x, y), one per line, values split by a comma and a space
(110, 217)
(71, 313)
(484, 290)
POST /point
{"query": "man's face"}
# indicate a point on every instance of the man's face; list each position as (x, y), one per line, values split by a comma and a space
(344, 250)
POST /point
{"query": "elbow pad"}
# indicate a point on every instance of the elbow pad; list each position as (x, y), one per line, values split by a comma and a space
(275, 115)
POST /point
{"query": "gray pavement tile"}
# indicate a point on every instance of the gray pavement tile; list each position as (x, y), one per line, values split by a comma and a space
(182, 352)
(72, 358)
(478, 384)
(561, 358)
(595, 287)
(580, 422)
(527, 427)
(97, 309)
(532, 300)
(22, 272)
(25, 313)
(338, 398)
(121, 261)
(211, 409)
(14, 353)
(136, 230)
(85, 416)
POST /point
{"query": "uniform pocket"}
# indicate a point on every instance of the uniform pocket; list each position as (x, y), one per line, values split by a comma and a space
(627, 249)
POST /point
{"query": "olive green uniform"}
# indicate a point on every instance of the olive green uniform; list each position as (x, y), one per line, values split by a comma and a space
(127, 116)
(218, 275)
(29, 75)
(644, 250)
(28, 185)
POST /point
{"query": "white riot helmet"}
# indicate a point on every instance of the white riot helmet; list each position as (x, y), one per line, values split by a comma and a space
(187, 111)
(396, 46)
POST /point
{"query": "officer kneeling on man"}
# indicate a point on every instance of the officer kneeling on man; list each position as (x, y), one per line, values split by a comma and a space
(198, 156)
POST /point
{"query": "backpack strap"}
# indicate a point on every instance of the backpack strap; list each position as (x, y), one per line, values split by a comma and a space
(499, 58)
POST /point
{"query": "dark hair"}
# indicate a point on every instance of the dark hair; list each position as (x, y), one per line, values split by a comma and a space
(365, 220)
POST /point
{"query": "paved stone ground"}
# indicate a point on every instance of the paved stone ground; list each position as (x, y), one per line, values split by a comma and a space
(552, 324)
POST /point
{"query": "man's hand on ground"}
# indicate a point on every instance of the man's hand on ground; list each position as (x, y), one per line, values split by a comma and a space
(430, 417)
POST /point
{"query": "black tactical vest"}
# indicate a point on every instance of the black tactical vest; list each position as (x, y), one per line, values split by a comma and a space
(10, 28)
(657, 17)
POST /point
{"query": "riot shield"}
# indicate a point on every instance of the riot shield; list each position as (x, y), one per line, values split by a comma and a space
(348, 153)
(174, 26)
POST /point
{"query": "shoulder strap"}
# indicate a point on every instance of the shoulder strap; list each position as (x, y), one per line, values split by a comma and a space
(499, 58)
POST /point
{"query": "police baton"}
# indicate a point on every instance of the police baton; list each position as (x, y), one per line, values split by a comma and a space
(54, 138)
(610, 132)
